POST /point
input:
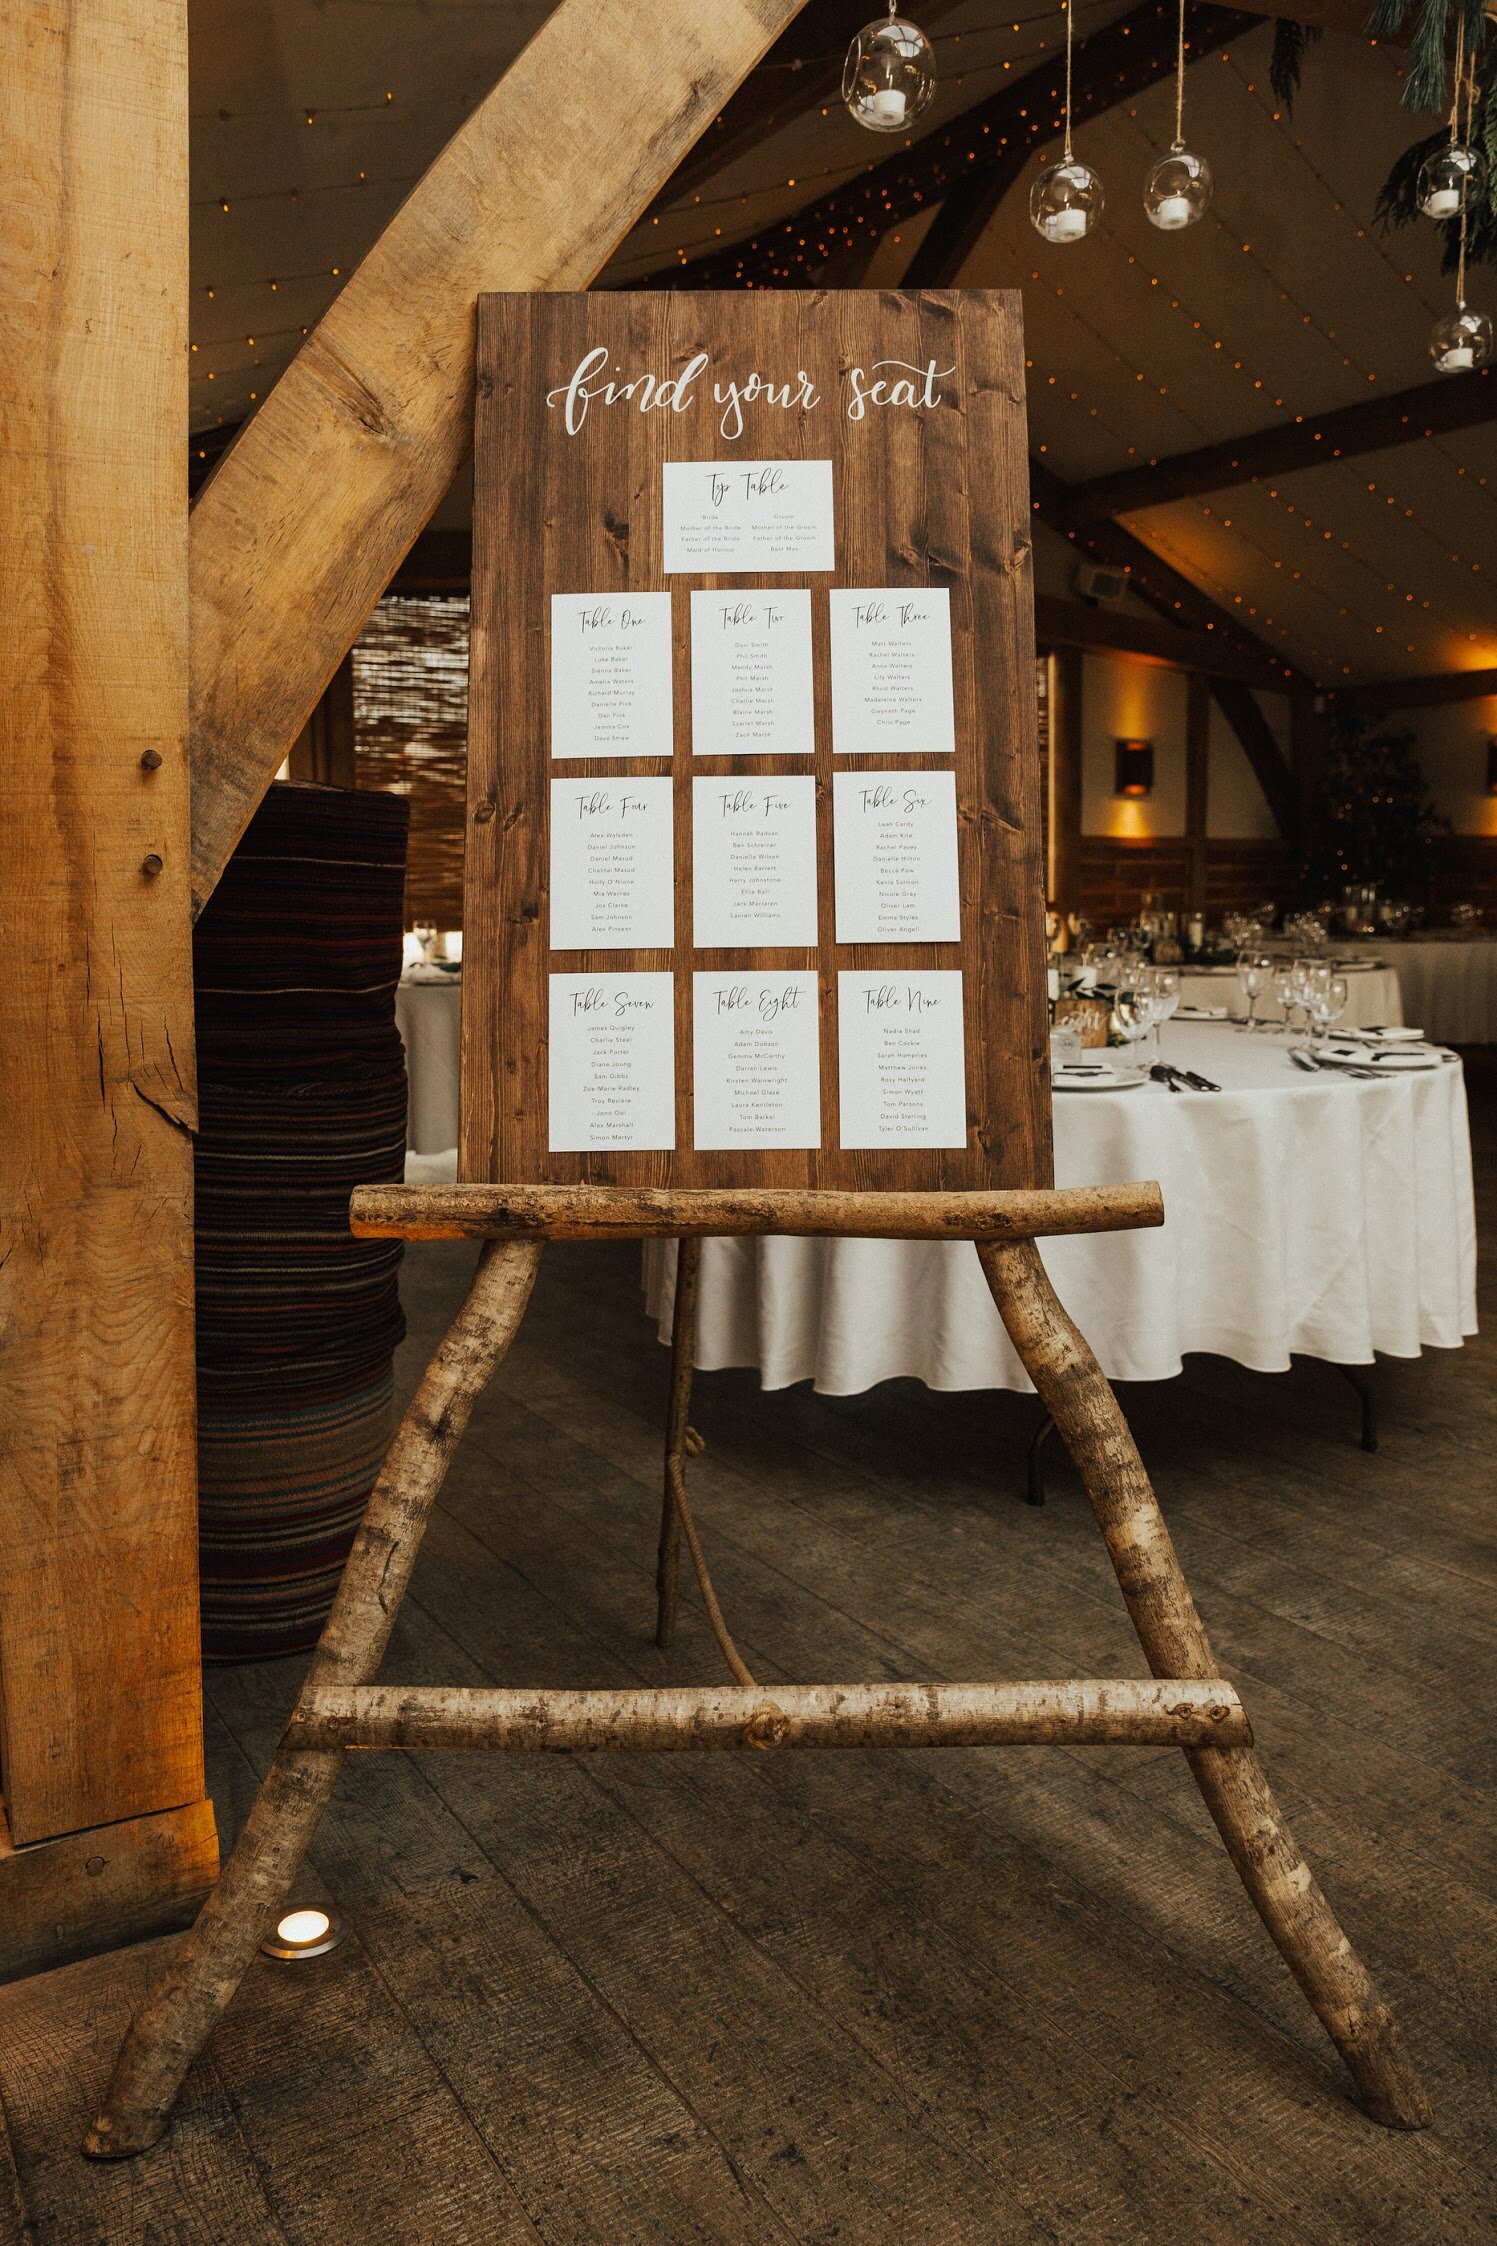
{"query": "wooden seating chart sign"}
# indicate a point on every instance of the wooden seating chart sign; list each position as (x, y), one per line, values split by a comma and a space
(754, 883)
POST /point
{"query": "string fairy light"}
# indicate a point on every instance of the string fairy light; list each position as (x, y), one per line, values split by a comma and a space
(1067, 199)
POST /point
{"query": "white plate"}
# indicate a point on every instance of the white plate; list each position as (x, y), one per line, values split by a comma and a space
(1105, 1080)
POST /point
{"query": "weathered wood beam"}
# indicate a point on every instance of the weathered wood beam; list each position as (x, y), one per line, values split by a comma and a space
(1261, 748)
(1197, 782)
(1071, 623)
(1430, 409)
(1065, 683)
(1007, 127)
(1381, 695)
(1112, 1711)
(1121, 59)
(626, 1212)
(1170, 594)
(306, 519)
(101, 1721)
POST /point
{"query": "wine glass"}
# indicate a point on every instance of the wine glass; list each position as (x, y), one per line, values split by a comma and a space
(1327, 1001)
(1164, 988)
(425, 933)
(1286, 990)
(1133, 1011)
(1253, 971)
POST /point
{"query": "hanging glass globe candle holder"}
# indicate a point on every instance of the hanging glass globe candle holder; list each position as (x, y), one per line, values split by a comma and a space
(1462, 341)
(1066, 200)
(1177, 190)
(1446, 178)
(889, 77)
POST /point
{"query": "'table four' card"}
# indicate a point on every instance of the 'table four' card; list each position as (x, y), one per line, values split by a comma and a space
(753, 873)
(611, 674)
(751, 674)
(901, 1059)
(891, 671)
(731, 515)
(757, 1061)
(613, 1063)
(613, 868)
(894, 851)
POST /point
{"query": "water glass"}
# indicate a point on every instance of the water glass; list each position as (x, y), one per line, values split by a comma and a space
(1253, 972)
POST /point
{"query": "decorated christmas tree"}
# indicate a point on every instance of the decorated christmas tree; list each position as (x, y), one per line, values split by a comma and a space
(1371, 819)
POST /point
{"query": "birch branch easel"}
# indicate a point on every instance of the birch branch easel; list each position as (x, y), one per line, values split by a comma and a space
(342, 1709)
(930, 497)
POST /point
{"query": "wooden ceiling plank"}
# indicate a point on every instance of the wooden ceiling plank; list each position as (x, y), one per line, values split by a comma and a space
(313, 508)
(1429, 409)
(1113, 65)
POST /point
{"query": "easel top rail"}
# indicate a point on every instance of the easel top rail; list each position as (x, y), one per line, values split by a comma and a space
(596, 1212)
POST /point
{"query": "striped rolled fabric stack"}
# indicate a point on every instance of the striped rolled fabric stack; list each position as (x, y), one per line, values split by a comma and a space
(302, 1096)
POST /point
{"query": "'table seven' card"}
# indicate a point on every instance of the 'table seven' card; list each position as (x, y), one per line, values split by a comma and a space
(891, 672)
(902, 1069)
(613, 1063)
(612, 866)
(611, 674)
(894, 851)
(747, 515)
(757, 1065)
(753, 876)
(751, 674)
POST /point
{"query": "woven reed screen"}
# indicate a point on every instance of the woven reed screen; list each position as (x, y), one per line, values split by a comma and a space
(410, 715)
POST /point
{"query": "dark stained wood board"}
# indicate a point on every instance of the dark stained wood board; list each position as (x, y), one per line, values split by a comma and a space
(936, 497)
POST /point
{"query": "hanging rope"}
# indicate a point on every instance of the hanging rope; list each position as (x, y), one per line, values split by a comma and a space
(1180, 81)
(1066, 4)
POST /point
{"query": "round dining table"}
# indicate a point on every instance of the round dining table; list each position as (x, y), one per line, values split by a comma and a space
(1311, 1214)
(1449, 982)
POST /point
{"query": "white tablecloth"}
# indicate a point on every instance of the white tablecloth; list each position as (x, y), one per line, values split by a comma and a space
(1449, 985)
(1372, 996)
(1319, 1215)
(429, 1016)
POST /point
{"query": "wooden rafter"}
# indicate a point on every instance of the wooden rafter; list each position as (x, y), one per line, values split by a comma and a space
(1010, 125)
(1119, 60)
(1372, 425)
(1260, 746)
(307, 518)
(1381, 695)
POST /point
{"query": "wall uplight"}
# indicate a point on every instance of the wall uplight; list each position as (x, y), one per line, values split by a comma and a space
(1133, 767)
(303, 1933)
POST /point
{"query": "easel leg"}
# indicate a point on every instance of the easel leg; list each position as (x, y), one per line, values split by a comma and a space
(1283, 1889)
(178, 2016)
(678, 1443)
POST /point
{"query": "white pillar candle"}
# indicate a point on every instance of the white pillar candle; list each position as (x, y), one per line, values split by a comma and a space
(1443, 203)
(1459, 359)
(1066, 225)
(889, 106)
(1174, 210)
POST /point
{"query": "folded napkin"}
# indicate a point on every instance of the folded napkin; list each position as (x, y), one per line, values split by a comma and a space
(1384, 1033)
(1200, 1014)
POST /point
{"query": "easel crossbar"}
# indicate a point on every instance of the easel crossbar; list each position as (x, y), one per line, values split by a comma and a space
(601, 1212)
(1112, 1711)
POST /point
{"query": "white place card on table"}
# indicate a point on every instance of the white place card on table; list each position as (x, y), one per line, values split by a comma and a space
(748, 514)
(756, 1060)
(753, 862)
(612, 866)
(891, 671)
(613, 1063)
(894, 854)
(751, 674)
(611, 674)
(902, 1068)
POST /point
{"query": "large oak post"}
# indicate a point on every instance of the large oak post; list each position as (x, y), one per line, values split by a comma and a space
(107, 1831)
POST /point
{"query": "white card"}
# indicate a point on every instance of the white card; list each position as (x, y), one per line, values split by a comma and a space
(894, 850)
(612, 866)
(902, 1069)
(611, 674)
(751, 674)
(748, 514)
(891, 671)
(753, 865)
(756, 1060)
(613, 1063)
